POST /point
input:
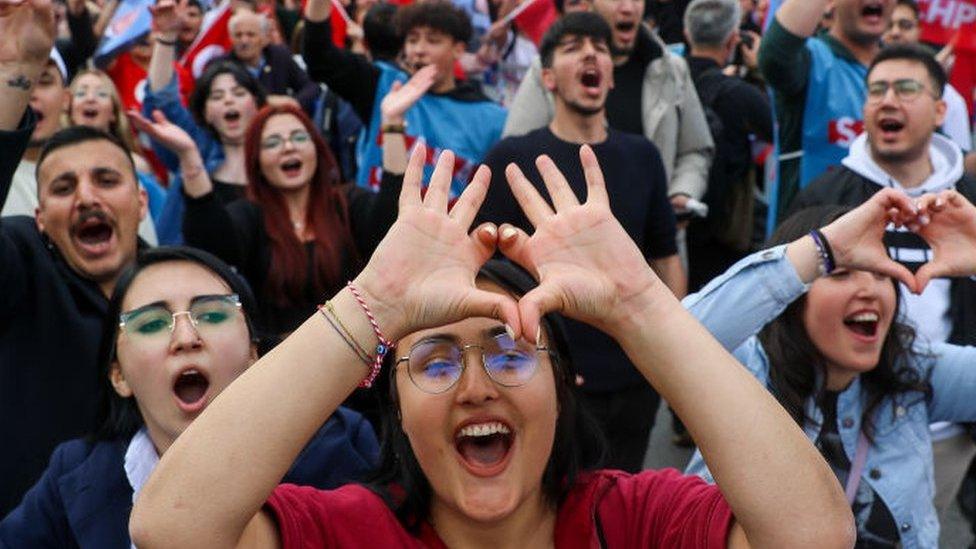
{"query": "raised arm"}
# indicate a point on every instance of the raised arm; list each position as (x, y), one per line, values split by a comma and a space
(350, 75)
(167, 19)
(28, 30)
(783, 58)
(196, 181)
(588, 268)
(736, 305)
(198, 494)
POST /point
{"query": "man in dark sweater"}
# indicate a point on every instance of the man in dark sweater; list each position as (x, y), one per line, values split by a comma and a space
(56, 269)
(271, 64)
(578, 70)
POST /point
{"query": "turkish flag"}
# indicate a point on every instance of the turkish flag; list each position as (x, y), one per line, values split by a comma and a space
(211, 42)
(536, 19)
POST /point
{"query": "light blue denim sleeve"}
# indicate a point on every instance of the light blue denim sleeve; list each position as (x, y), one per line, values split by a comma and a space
(953, 379)
(753, 292)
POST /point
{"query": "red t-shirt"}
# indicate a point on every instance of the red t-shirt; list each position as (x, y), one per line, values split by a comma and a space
(650, 509)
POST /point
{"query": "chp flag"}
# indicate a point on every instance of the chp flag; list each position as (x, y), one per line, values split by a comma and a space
(211, 42)
(131, 21)
(953, 22)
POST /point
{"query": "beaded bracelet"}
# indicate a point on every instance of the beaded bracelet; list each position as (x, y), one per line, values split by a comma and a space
(384, 344)
(826, 264)
(329, 313)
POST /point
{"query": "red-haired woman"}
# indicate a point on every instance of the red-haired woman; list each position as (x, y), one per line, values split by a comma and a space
(299, 234)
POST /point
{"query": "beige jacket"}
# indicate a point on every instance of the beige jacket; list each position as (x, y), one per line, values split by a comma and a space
(673, 119)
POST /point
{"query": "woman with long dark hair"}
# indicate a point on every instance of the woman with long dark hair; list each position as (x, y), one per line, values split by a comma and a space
(225, 99)
(834, 352)
(484, 450)
(299, 234)
(178, 330)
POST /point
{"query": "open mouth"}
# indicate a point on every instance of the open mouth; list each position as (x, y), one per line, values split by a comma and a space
(625, 26)
(89, 113)
(94, 233)
(291, 168)
(484, 447)
(232, 116)
(190, 389)
(872, 10)
(864, 324)
(38, 115)
(591, 78)
(890, 127)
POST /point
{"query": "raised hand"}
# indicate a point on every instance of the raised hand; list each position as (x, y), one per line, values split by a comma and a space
(857, 237)
(26, 36)
(403, 96)
(27, 28)
(587, 266)
(169, 15)
(163, 131)
(423, 272)
(950, 232)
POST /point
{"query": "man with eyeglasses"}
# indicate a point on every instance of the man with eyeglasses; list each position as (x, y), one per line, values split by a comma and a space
(57, 269)
(904, 29)
(901, 149)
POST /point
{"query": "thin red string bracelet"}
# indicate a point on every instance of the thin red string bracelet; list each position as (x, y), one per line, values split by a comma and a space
(382, 347)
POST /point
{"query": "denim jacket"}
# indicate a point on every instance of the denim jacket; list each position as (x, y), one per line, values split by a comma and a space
(735, 307)
(169, 224)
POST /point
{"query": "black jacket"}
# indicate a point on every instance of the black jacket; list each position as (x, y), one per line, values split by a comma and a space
(50, 330)
(843, 186)
(281, 75)
(237, 234)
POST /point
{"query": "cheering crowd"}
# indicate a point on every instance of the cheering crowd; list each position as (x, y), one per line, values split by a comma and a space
(420, 274)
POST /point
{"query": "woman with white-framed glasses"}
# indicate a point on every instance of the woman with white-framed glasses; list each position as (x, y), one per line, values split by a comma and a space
(178, 332)
(482, 445)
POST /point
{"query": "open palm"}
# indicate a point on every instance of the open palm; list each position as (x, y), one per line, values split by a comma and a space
(161, 130)
(403, 96)
(587, 265)
(423, 272)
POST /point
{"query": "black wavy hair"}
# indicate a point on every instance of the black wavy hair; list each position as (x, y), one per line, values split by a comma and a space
(578, 444)
(380, 33)
(795, 360)
(201, 90)
(573, 24)
(119, 417)
(439, 15)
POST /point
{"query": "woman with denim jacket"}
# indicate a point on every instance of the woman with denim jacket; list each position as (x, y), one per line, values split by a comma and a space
(832, 351)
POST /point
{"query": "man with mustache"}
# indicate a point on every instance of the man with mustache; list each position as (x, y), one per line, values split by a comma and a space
(58, 268)
(819, 84)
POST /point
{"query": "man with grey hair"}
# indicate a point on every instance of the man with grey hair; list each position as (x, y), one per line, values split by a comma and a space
(271, 64)
(736, 110)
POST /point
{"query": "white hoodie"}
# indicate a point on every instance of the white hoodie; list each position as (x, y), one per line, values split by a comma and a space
(928, 312)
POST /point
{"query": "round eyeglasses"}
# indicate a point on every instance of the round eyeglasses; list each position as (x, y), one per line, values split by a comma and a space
(435, 365)
(155, 322)
(275, 141)
(906, 90)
